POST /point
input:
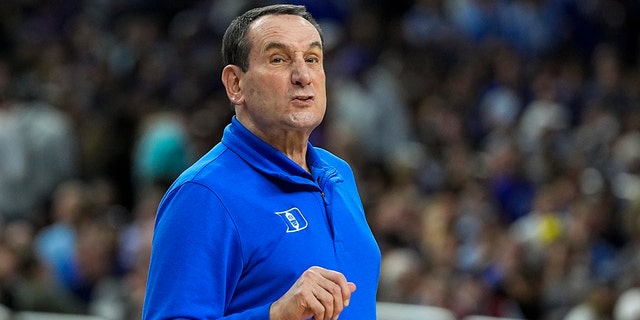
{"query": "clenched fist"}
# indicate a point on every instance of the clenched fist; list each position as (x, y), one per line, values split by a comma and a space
(319, 294)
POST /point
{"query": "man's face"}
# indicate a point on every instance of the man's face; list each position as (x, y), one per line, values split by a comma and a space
(284, 86)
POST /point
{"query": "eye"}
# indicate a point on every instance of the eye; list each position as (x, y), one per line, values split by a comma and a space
(277, 59)
(313, 59)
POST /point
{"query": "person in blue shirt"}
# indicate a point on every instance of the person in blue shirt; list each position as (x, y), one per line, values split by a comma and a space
(265, 225)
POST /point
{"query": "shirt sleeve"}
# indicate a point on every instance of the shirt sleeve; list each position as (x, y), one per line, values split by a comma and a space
(196, 259)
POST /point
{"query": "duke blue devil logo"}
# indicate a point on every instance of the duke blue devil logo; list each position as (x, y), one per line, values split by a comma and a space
(294, 219)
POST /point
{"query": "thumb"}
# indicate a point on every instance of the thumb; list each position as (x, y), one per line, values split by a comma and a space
(352, 288)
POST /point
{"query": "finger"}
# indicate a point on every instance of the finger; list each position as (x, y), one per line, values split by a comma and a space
(341, 297)
(328, 304)
(346, 288)
(352, 288)
(318, 308)
(339, 290)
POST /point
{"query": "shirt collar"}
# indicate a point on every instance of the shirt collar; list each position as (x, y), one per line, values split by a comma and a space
(267, 159)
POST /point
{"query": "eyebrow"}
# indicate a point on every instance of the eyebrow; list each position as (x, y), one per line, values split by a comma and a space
(280, 45)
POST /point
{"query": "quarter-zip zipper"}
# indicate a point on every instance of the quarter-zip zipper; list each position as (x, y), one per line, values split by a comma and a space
(330, 176)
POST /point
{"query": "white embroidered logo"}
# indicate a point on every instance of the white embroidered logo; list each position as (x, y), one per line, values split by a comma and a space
(294, 219)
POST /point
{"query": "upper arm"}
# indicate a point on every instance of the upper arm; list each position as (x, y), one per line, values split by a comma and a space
(196, 257)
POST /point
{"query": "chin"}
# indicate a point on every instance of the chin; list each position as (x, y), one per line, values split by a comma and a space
(306, 120)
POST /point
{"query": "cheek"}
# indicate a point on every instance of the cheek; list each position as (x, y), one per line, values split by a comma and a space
(252, 90)
(263, 86)
(321, 84)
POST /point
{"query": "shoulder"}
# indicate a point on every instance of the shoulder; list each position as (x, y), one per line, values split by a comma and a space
(336, 162)
(330, 158)
(218, 163)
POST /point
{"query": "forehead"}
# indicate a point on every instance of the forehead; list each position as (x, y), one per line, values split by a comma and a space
(290, 30)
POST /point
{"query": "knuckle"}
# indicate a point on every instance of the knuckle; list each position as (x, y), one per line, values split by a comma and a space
(310, 272)
(335, 289)
(325, 298)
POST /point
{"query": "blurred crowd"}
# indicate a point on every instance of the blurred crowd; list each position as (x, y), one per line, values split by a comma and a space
(496, 144)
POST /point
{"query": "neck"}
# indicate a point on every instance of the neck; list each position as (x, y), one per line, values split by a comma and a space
(292, 143)
(294, 148)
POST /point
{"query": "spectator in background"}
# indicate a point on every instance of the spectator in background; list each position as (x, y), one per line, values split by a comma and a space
(39, 149)
(108, 66)
(56, 243)
(79, 248)
(161, 152)
(367, 98)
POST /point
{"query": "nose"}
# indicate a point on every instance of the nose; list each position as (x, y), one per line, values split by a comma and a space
(300, 73)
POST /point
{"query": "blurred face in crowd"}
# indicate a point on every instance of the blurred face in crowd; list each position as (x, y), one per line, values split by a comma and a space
(283, 89)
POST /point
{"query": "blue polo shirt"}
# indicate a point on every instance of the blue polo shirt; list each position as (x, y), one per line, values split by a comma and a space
(237, 229)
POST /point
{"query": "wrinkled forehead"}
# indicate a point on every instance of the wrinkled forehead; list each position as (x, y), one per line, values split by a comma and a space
(287, 29)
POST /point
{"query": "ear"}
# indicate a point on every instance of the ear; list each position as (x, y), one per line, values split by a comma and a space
(231, 80)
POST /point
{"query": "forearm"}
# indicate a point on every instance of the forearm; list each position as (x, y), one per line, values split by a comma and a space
(260, 313)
